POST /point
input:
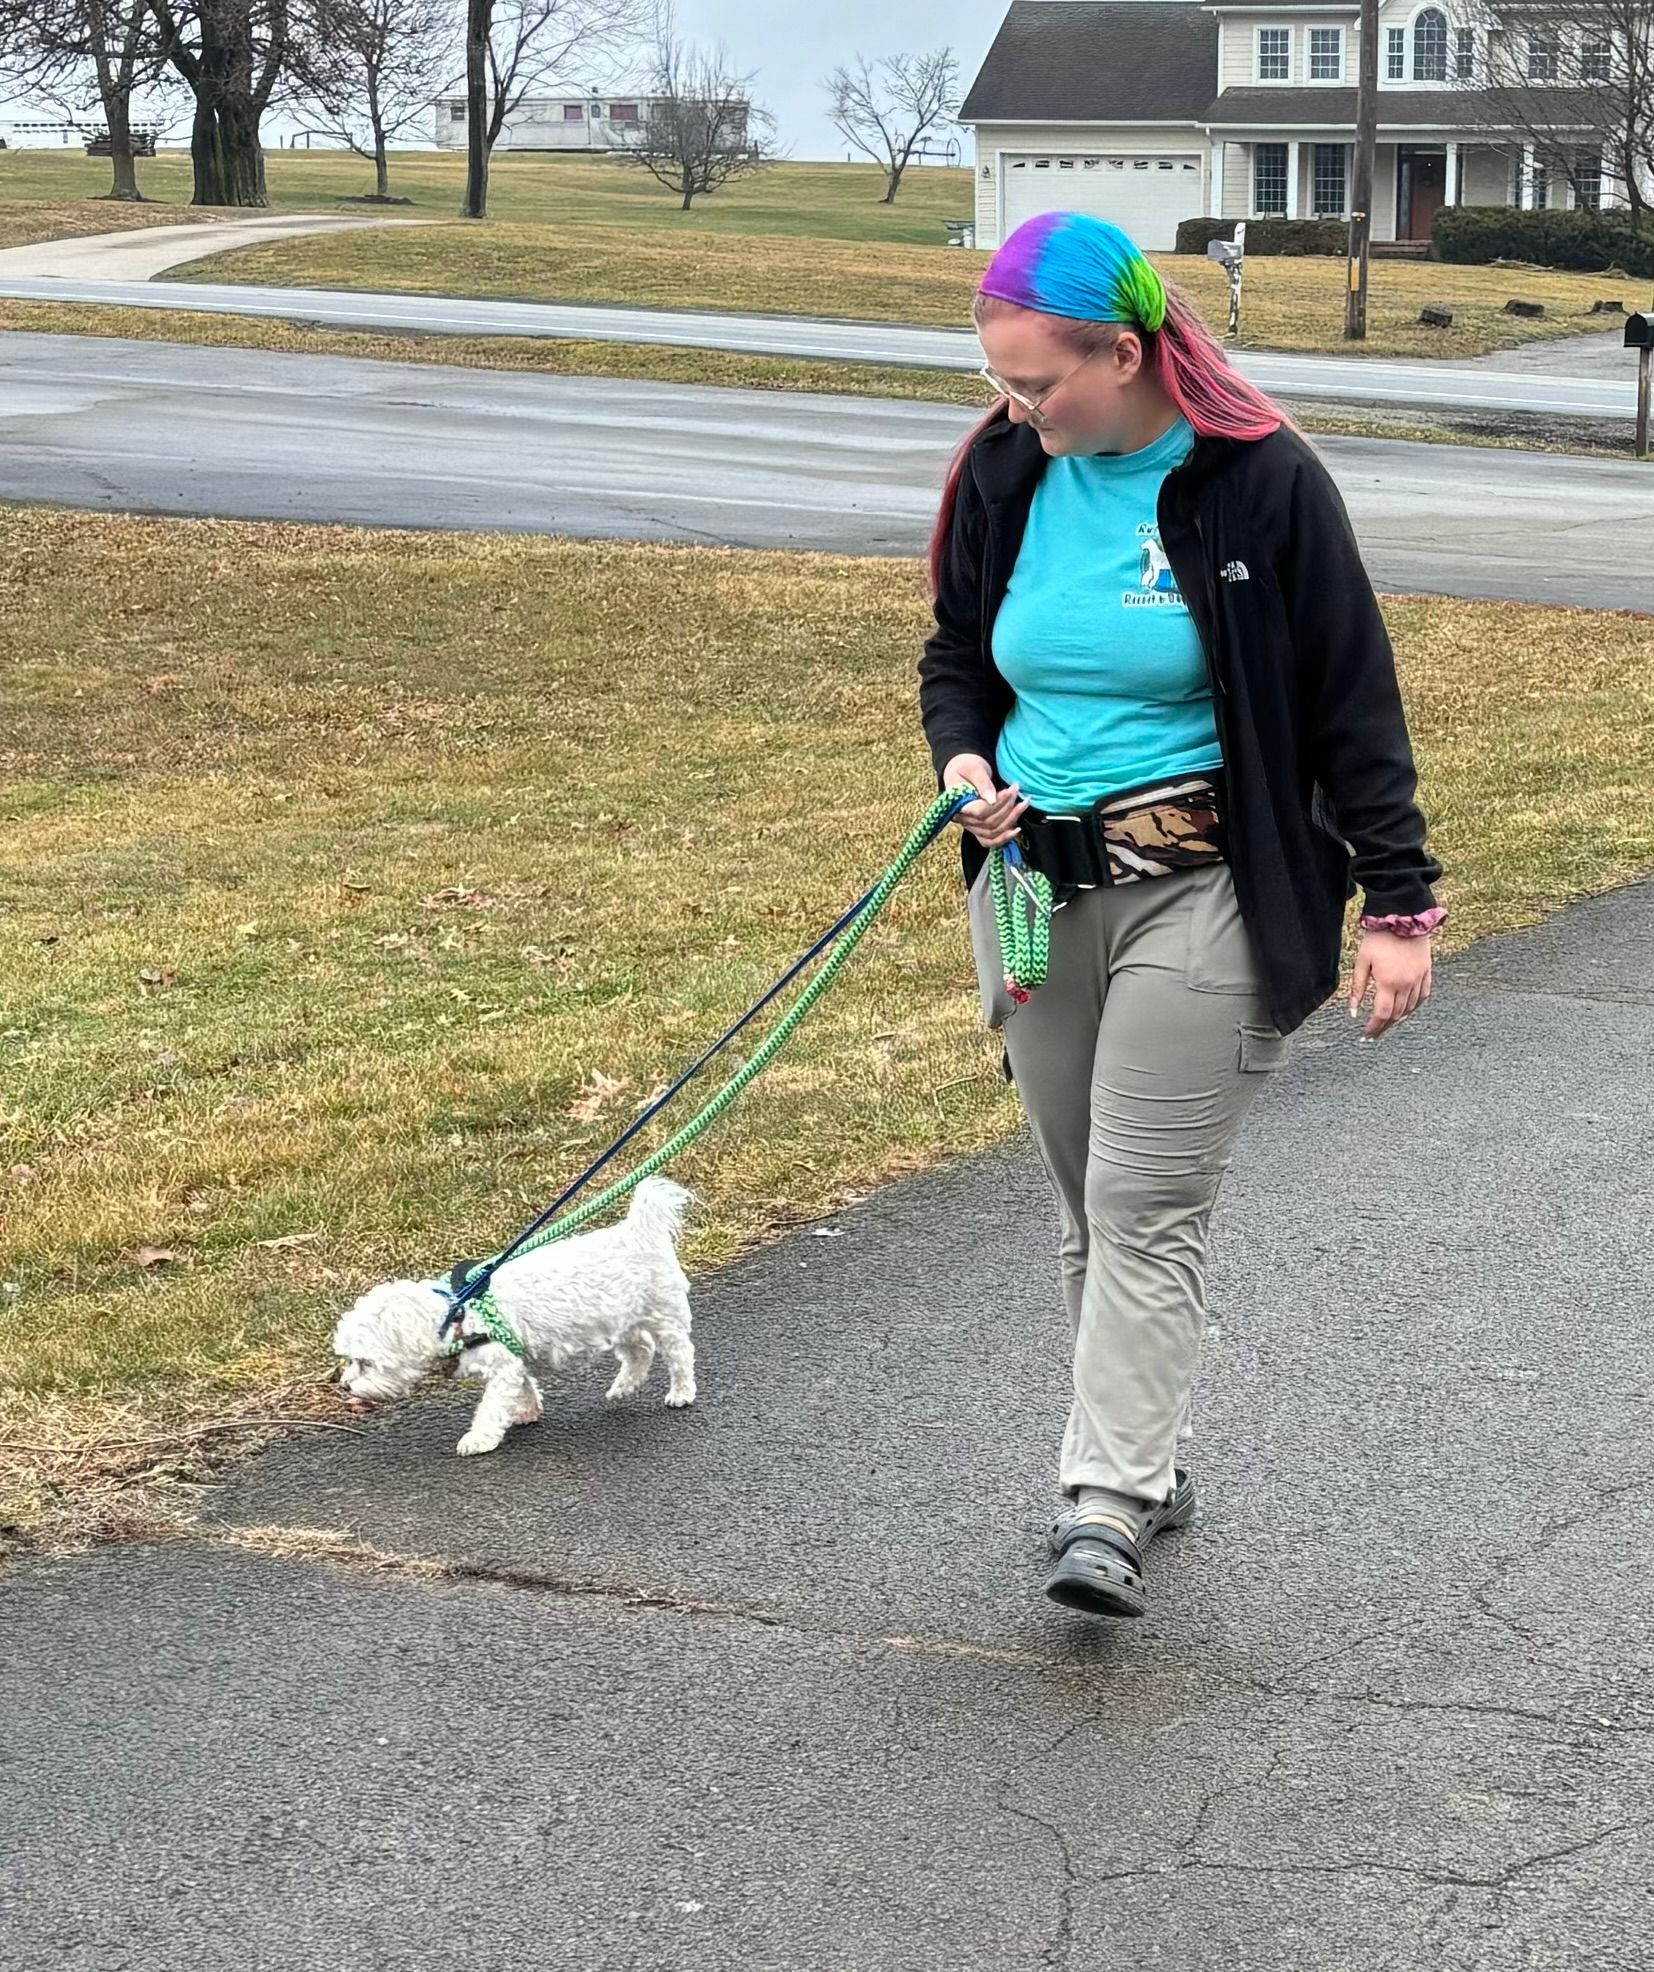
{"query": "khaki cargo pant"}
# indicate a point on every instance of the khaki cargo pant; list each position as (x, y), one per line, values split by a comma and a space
(1136, 1063)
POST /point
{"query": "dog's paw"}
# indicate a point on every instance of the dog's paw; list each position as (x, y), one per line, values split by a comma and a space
(527, 1413)
(621, 1388)
(680, 1400)
(475, 1442)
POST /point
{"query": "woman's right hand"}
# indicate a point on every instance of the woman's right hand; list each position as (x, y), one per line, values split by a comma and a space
(992, 820)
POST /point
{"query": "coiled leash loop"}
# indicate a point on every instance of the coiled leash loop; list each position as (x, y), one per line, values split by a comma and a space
(1024, 920)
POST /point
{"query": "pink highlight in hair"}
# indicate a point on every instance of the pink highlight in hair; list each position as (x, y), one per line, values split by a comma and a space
(1184, 360)
(1200, 380)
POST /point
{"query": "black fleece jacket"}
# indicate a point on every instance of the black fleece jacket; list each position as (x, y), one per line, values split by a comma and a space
(1318, 768)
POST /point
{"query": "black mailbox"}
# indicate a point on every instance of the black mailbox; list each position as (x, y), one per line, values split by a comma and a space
(1639, 331)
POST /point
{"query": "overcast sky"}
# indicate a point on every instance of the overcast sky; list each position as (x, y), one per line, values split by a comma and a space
(794, 43)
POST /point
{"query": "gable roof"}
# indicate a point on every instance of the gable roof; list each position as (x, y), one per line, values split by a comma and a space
(1098, 61)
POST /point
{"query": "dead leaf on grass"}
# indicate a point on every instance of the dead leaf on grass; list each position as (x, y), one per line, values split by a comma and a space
(599, 1091)
(158, 975)
(155, 1256)
(286, 1240)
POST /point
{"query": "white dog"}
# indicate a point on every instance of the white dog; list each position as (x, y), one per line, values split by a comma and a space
(619, 1289)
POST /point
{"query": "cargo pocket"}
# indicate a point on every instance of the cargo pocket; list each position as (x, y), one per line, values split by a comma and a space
(1261, 1049)
(997, 1004)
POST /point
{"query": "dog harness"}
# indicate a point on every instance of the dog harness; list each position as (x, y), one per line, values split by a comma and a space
(494, 1325)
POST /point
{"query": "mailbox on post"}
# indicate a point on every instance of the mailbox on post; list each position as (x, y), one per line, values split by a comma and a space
(1639, 335)
(1230, 255)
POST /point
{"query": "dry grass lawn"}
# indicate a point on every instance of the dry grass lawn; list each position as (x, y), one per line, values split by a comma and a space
(359, 886)
(828, 201)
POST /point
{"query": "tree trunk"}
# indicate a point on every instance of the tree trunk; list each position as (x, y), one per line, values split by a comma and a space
(895, 184)
(225, 150)
(381, 164)
(479, 19)
(117, 106)
(1629, 162)
(688, 198)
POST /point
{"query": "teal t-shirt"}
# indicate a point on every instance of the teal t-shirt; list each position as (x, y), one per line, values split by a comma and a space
(1111, 684)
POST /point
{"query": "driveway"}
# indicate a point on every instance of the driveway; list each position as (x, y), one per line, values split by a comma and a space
(141, 253)
(769, 1686)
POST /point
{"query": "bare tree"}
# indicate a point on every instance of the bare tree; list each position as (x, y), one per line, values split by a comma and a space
(885, 110)
(1573, 81)
(231, 54)
(513, 47)
(369, 69)
(701, 128)
(74, 53)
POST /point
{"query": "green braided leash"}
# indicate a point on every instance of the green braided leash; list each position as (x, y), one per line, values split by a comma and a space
(1024, 949)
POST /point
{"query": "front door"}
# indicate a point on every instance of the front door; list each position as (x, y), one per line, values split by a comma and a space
(1421, 191)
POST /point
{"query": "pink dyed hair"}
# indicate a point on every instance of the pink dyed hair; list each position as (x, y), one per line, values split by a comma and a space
(1182, 358)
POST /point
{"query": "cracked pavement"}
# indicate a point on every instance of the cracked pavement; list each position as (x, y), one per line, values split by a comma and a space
(770, 1684)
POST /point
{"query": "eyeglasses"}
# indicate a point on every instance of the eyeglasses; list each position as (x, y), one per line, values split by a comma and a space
(1031, 407)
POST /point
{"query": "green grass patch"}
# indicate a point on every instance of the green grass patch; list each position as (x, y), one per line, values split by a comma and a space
(360, 886)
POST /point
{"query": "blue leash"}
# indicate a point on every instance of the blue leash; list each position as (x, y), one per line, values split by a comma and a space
(475, 1282)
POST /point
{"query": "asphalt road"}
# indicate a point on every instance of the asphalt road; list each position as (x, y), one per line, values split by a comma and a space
(768, 1686)
(1580, 391)
(164, 428)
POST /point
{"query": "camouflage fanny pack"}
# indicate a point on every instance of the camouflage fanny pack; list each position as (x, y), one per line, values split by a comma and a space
(1146, 832)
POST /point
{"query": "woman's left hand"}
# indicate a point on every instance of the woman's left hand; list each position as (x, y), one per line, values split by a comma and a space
(1396, 971)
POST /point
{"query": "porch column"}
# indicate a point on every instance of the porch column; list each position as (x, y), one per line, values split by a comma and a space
(1455, 190)
(1292, 151)
(1524, 184)
(1217, 181)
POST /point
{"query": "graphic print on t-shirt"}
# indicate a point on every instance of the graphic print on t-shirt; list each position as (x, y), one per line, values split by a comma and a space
(1109, 682)
(1157, 585)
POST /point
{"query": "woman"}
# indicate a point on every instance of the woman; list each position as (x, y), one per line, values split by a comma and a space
(1159, 662)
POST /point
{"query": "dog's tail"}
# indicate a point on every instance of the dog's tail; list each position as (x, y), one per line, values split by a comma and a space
(658, 1211)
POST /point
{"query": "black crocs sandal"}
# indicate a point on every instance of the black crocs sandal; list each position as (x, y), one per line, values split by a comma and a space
(1099, 1571)
(1099, 1567)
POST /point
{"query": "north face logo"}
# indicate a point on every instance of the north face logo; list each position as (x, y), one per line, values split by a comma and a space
(1236, 571)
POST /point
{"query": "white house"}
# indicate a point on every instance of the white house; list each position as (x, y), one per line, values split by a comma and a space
(564, 120)
(1148, 112)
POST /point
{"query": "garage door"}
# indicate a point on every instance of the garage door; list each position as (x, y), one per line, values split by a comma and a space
(1144, 192)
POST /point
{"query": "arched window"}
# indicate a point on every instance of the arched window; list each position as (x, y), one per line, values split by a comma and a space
(1430, 46)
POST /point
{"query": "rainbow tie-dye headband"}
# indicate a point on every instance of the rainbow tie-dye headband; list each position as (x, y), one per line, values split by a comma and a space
(1067, 263)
